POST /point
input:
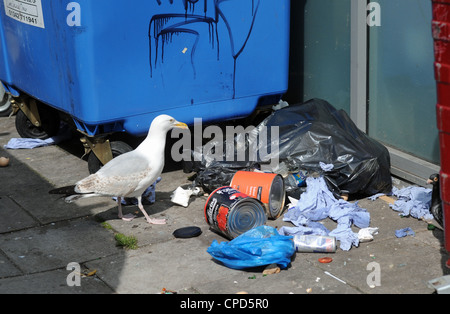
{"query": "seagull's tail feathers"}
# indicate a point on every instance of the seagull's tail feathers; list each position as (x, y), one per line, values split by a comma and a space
(67, 190)
(73, 198)
(69, 193)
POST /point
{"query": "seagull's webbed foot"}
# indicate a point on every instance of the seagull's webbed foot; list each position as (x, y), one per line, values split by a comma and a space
(149, 220)
(127, 217)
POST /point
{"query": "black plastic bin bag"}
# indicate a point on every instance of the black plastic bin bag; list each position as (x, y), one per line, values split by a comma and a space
(310, 135)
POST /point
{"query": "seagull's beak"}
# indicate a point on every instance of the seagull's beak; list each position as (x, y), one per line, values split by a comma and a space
(181, 125)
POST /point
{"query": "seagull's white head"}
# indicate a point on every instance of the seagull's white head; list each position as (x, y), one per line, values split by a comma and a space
(164, 123)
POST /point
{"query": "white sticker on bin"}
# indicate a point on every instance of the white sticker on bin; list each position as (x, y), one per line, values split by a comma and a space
(25, 11)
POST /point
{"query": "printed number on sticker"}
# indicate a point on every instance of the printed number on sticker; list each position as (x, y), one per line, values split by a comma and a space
(25, 11)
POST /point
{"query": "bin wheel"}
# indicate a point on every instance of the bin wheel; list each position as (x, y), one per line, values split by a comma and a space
(117, 148)
(5, 102)
(49, 124)
(5, 105)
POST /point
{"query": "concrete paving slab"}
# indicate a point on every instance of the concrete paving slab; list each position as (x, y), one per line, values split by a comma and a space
(7, 268)
(30, 191)
(175, 265)
(18, 218)
(57, 244)
(50, 282)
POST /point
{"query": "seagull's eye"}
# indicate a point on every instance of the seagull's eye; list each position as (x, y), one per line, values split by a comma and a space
(172, 120)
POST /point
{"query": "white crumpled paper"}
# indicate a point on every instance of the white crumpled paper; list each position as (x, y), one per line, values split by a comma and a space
(181, 196)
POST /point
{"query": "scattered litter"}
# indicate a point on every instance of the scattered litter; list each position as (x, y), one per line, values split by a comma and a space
(30, 143)
(266, 187)
(318, 203)
(314, 243)
(327, 273)
(257, 247)
(326, 167)
(297, 179)
(187, 232)
(387, 199)
(281, 104)
(404, 232)
(4, 161)
(88, 273)
(225, 208)
(325, 260)
(293, 202)
(181, 196)
(411, 201)
(271, 269)
(366, 234)
(167, 291)
(436, 206)
(375, 196)
(309, 290)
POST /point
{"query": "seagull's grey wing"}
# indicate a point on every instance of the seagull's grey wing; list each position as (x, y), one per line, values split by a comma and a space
(122, 165)
(119, 177)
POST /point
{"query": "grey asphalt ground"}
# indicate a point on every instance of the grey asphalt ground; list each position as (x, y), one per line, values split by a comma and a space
(40, 235)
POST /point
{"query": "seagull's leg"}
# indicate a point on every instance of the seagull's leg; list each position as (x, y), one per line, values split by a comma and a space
(149, 220)
(119, 205)
(128, 217)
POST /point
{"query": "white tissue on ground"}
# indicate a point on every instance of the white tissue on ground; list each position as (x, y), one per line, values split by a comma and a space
(181, 196)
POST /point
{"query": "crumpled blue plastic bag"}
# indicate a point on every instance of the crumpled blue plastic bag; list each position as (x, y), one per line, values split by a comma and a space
(260, 246)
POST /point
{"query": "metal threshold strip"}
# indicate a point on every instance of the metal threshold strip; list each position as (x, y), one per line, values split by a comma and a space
(410, 168)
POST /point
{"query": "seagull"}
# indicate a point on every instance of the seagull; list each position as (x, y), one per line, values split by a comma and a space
(129, 174)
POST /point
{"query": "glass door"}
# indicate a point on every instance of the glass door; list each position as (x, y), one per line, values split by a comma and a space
(373, 59)
(401, 86)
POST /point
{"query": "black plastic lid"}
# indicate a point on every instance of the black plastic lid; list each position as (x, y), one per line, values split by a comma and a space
(187, 232)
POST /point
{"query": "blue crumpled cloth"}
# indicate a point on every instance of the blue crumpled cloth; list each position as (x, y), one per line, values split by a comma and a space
(318, 203)
(411, 201)
(400, 233)
(64, 134)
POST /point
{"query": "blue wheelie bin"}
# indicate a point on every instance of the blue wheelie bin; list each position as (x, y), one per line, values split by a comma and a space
(112, 66)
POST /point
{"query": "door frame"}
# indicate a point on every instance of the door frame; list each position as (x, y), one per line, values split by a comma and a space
(403, 165)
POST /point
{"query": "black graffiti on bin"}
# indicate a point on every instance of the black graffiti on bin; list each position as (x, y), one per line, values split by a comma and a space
(161, 30)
